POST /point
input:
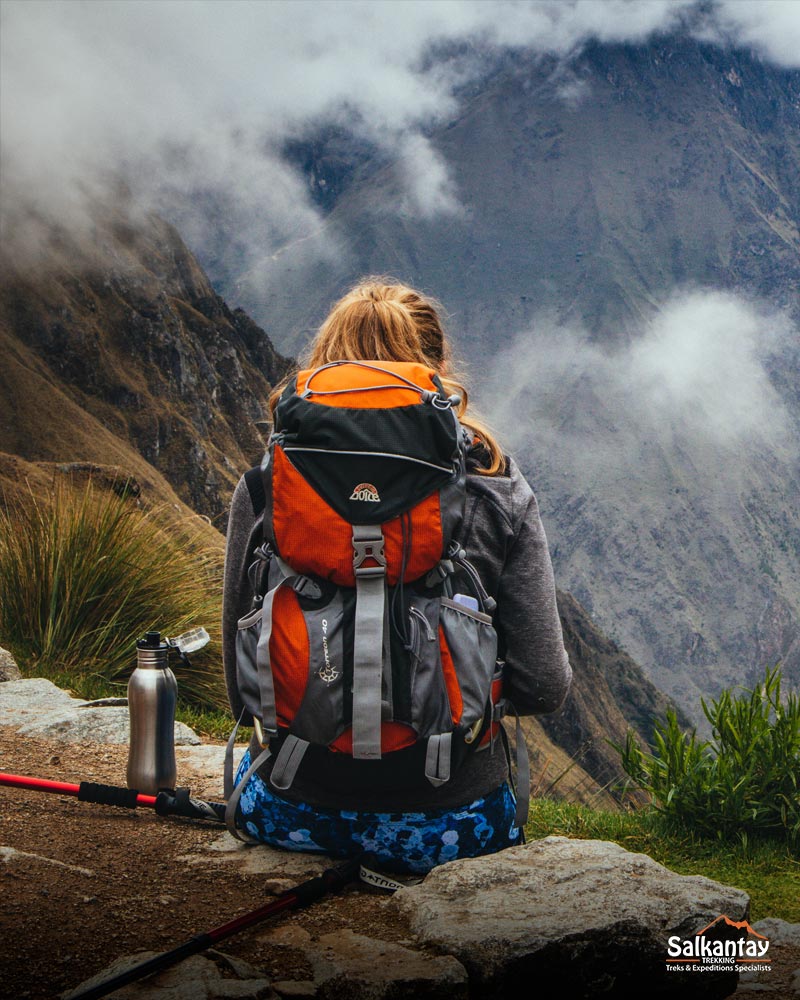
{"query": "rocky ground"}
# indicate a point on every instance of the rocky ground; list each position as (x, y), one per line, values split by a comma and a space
(83, 885)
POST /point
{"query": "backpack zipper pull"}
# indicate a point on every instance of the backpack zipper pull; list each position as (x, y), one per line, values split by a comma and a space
(416, 613)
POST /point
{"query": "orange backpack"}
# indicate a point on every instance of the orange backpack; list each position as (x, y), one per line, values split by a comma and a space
(370, 632)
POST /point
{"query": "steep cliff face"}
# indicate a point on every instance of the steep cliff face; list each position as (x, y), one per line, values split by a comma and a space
(123, 345)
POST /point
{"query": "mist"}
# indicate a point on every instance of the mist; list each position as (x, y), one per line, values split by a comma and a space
(191, 104)
(694, 381)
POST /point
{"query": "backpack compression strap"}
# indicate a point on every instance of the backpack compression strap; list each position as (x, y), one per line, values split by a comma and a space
(369, 639)
(522, 785)
(254, 481)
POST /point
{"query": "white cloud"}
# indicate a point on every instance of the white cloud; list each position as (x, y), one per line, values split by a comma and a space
(695, 376)
(429, 189)
(196, 98)
(704, 354)
(771, 27)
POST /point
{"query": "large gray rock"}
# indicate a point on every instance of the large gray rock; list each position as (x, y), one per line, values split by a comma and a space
(9, 671)
(280, 869)
(23, 700)
(779, 931)
(349, 966)
(589, 915)
(37, 708)
(93, 724)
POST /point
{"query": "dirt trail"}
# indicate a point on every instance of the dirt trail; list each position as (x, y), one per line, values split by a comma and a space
(119, 885)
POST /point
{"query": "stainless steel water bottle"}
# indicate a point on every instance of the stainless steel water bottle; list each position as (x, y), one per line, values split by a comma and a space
(152, 696)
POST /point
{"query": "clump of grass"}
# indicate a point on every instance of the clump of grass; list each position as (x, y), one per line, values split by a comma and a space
(742, 784)
(85, 572)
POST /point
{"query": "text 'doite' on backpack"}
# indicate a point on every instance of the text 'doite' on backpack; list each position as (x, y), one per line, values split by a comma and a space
(370, 632)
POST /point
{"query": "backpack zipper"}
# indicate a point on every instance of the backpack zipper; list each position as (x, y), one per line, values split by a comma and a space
(370, 454)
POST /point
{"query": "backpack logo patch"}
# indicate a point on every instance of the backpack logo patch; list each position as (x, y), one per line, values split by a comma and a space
(328, 673)
(367, 492)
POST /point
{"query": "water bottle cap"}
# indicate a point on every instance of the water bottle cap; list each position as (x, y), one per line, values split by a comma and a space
(151, 640)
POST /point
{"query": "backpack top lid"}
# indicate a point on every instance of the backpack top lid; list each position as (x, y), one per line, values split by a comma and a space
(351, 383)
(371, 438)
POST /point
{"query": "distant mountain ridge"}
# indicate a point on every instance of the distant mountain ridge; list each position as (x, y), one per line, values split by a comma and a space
(589, 189)
(590, 193)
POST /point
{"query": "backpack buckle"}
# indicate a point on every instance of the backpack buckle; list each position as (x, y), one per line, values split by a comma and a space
(499, 710)
(368, 544)
(304, 586)
(258, 729)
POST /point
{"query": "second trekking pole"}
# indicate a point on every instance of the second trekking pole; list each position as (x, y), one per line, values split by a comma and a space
(331, 880)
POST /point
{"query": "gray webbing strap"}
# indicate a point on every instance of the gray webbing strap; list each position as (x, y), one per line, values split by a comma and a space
(523, 778)
(368, 642)
(266, 684)
(236, 794)
(227, 766)
(437, 759)
(522, 787)
(287, 762)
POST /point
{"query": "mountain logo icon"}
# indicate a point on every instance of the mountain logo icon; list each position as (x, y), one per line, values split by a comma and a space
(737, 924)
(715, 947)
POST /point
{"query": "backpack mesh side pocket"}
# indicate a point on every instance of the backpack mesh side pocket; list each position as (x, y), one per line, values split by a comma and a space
(248, 632)
(471, 642)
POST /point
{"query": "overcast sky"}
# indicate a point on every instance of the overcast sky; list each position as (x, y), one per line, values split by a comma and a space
(190, 98)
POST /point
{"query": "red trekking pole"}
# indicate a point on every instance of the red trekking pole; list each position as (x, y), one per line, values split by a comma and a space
(165, 803)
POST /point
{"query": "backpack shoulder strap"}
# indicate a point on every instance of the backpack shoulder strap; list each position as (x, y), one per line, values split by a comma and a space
(255, 487)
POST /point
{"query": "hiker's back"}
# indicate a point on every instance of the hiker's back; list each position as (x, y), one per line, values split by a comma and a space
(358, 634)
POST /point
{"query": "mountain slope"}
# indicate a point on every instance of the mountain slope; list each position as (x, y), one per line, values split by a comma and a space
(123, 349)
(610, 696)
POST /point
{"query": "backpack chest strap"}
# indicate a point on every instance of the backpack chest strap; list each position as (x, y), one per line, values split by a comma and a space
(369, 639)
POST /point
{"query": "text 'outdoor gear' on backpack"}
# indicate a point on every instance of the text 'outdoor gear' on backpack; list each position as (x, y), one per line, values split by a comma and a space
(370, 632)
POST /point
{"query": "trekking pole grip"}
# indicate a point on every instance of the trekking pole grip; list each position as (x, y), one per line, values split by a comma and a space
(180, 803)
(108, 795)
(331, 880)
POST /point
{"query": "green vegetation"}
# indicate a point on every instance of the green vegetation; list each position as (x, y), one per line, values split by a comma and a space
(765, 869)
(743, 784)
(84, 573)
(727, 808)
(213, 724)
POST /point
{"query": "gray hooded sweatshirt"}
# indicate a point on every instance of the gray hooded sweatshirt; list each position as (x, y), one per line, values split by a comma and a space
(505, 541)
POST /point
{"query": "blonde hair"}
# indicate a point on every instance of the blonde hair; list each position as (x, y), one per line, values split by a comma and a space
(380, 319)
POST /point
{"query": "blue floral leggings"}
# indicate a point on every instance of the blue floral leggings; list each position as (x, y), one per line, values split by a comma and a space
(400, 841)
